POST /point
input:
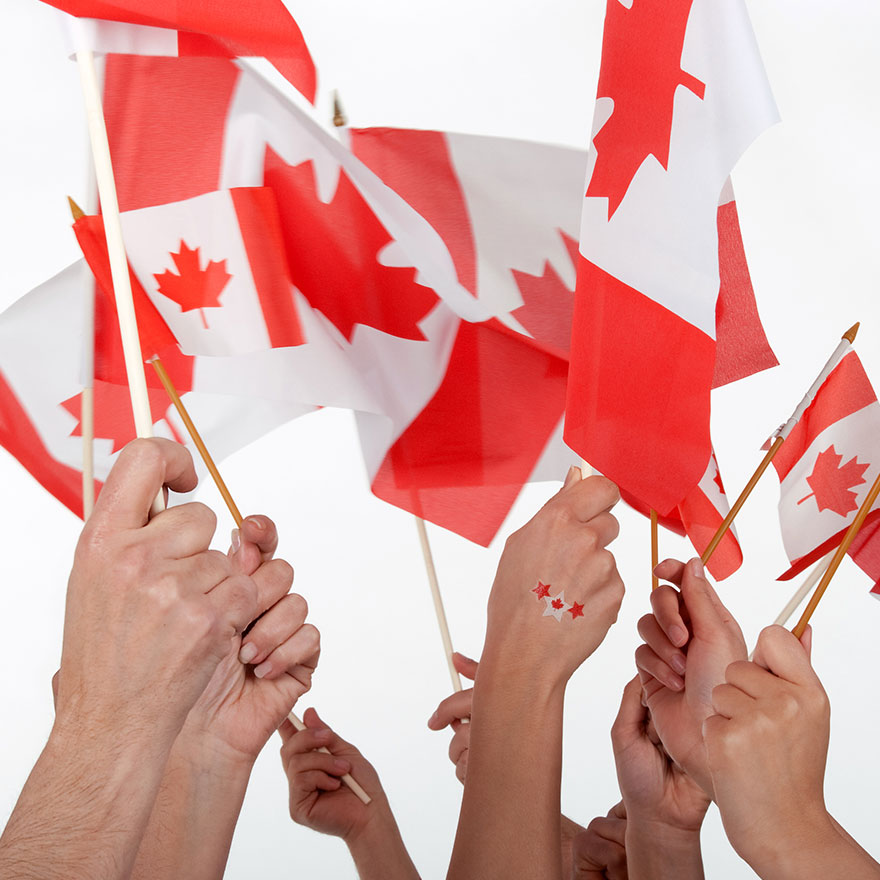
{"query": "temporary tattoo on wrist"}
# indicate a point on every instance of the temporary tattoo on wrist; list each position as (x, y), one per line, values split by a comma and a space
(556, 606)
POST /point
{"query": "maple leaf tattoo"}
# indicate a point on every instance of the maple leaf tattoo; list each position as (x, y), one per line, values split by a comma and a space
(333, 254)
(832, 482)
(194, 287)
(641, 70)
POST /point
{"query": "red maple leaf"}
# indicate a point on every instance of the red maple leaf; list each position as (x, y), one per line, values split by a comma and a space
(831, 482)
(194, 287)
(113, 418)
(542, 590)
(548, 304)
(641, 69)
(557, 603)
(332, 250)
(717, 477)
(576, 610)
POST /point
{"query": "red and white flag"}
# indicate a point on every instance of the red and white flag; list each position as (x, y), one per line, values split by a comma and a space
(698, 517)
(213, 266)
(826, 467)
(682, 92)
(195, 28)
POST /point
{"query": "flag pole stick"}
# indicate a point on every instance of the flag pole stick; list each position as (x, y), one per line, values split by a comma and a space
(347, 778)
(233, 509)
(134, 366)
(439, 610)
(801, 592)
(845, 342)
(848, 538)
(655, 550)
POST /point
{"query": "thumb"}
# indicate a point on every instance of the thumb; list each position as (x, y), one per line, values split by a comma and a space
(629, 724)
(807, 641)
(708, 614)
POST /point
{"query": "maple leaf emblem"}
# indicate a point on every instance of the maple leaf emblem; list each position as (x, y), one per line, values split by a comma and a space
(194, 287)
(113, 419)
(641, 69)
(831, 483)
(333, 254)
(548, 304)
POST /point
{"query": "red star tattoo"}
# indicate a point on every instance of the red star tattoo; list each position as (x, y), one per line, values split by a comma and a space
(576, 610)
(542, 590)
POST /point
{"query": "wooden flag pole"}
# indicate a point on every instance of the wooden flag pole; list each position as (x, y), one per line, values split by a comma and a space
(233, 509)
(845, 341)
(87, 401)
(134, 365)
(848, 538)
(347, 778)
(165, 379)
(809, 582)
(655, 550)
(439, 610)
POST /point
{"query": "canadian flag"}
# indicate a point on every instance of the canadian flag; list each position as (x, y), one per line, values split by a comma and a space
(826, 467)
(213, 266)
(193, 27)
(698, 516)
(681, 94)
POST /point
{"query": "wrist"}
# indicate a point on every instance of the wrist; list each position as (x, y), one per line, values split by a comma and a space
(503, 659)
(377, 847)
(789, 848)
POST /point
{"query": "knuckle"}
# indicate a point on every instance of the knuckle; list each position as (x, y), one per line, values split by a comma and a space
(282, 570)
(312, 638)
(195, 513)
(298, 606)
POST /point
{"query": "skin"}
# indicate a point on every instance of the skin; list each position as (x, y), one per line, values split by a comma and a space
(690, 630)
(773, 723)
(509, 823)
(320, 801)
(151, 612)
(249, 695)
(664, 808)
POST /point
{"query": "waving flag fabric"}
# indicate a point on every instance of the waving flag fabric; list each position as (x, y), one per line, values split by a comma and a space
(698, 516)
(220, 27)
(681, 94)
(826, 466)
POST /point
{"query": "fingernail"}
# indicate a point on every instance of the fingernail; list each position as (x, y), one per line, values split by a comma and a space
(341, 766)
(263, 669)
(255, 523)
(675, 683)
(247, 652)
(573, 475)
(433, 719)
(236, 540)
(678, 635)
(677, 662)
(697, 568)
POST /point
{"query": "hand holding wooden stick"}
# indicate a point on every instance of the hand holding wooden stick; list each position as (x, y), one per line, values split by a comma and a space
(236, 515)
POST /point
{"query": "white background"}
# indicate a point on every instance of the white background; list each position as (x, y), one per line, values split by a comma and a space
(807, 193)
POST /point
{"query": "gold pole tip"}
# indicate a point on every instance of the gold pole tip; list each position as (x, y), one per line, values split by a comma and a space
(338, 114)
(851, 333)
(75, 209)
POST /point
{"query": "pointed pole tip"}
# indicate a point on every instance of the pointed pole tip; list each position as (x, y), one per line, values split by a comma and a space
(850, 334)
(75, 209)
(338, 114)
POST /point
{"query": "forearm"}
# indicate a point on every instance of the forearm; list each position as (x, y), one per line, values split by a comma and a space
(191, 826)
(817, 848)
(379, 852)
(657, 852)
(509, 824)
(83, 810)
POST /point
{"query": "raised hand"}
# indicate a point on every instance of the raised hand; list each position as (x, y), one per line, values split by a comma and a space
(268, 669)
(766, 748)
(598, 852)
(690, 640)
(320, 801)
